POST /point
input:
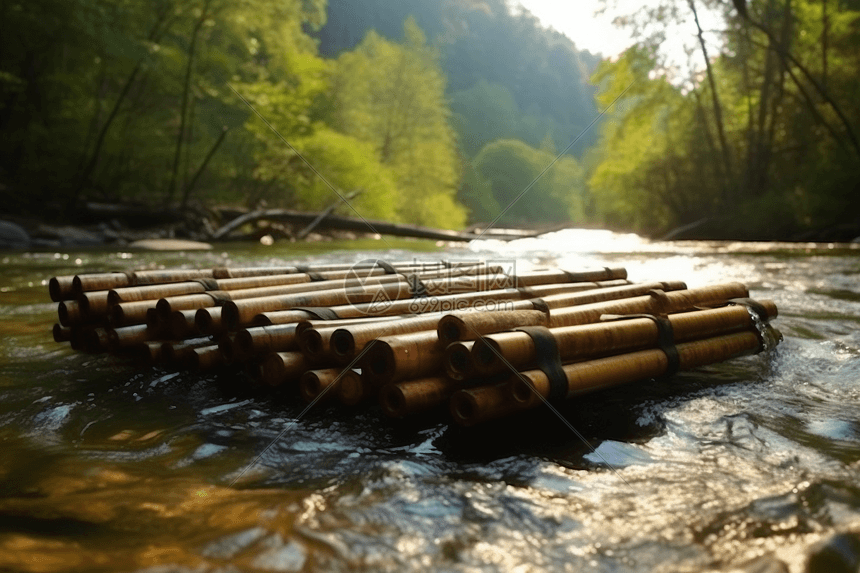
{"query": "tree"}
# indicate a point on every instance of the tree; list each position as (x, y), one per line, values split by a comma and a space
(393, 96)
(525, 189)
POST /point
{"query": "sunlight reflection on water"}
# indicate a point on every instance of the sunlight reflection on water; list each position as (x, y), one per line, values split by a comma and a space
(108, 467)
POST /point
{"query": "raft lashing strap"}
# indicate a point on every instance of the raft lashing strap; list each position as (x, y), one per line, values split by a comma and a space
(208, 284)
(416, 287)
(320, 312)
(219, 296)
(386, 266)
(541, 305)
(314, 276)
(548, 360)
(526, 292)
(665, 338)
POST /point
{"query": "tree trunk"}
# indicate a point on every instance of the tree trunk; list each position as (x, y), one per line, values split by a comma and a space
(158, 29)
(171, 190)
(718, 110)
(187, 192)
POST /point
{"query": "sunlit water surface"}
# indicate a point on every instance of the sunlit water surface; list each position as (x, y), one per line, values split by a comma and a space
(110, 467)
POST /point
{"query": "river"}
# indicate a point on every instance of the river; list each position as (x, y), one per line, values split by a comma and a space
(110, 467)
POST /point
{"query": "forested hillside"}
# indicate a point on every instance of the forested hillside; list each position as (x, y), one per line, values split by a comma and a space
(761, 143)
(175, 103)
(434, 112)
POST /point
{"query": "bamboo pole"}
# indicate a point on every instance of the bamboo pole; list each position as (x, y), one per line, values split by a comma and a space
(456, 327)
(70, 314)
(129, 313)
(183, 324)
(150, 352)
(168, 305)
(73, 286)
(213, 298)
(458, 359)
(617, 292)
(60, 288)
(279, 368)
(209, 320)
(263, 339)
(99, 282)
(323, 384)
(128, 336)
(475, 405)
(405, 399)
(281, 317)
(94, 340)
(163, 276)
(62, 333)
(343, 343)
(313, 336)
(501, 299)
(403, 357)
(433, 287)
(658, 302)
(224, 273)
(606, 338)
(236, 313)
(206, 358)
(177, 354)
(527, 388)
(153, 292)
(355, 389)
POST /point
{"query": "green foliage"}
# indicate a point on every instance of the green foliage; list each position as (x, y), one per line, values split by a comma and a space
(347, 164)
(784, 84)
(512, 167)
(393, 96)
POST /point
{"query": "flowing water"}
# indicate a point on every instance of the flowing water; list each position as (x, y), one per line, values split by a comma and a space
(106, 466)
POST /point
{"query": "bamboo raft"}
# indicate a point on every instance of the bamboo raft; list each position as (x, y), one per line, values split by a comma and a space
(413, 337)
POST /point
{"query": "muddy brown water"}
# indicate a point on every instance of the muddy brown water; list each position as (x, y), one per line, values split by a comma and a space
(105, 466)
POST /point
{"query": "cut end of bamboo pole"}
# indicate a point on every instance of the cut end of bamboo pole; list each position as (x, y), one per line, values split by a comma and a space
(458, 360)
(465, 408)
(404, 399)
(62, 333)
(69, 312)
(321, 385)
(352, 390)
(60, 288)
(379, 362)
(229, 316)
(485, 355)
(342, 345)
(312, 345)
(393, 401)
(209, 320)
(482, 404)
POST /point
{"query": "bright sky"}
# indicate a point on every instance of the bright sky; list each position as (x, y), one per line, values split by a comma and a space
(597, 34)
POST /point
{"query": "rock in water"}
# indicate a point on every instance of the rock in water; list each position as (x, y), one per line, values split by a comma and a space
(170, 245)
(13, 236)
(837, 554)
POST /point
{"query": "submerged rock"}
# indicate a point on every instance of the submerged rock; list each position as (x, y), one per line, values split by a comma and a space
(13, 236)
(837, 554)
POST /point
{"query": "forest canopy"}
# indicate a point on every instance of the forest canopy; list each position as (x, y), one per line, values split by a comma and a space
(439, 113)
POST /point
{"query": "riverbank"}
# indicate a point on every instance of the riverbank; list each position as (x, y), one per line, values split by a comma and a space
(138, 227)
